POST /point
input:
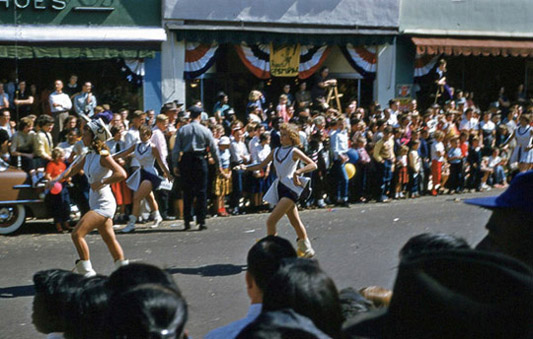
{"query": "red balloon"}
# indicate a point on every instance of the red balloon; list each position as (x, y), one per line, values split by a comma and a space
(56, 189)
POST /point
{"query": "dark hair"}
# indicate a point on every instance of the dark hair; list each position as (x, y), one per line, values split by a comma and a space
(146, 311)
(54, 291)
(135, 274)
(114, 130)
(300, 284)
(87, 312)
(430, 242)
(145, 129)
(44, 119)
(353, 303)
(264, 258)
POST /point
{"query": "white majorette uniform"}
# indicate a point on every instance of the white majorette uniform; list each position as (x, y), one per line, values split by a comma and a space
(285, 167)
(145, 157)
(101, 201)
(523, 139)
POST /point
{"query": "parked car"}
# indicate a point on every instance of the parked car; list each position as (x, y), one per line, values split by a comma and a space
(18, 199)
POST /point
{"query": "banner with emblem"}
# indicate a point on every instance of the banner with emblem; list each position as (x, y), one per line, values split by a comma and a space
(284, 60)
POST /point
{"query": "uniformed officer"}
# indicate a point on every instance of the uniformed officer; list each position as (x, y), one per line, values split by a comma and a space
(193, 141)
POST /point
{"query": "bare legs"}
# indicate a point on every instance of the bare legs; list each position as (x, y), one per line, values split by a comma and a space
(144, 191)
(90, 221)
(286, 206)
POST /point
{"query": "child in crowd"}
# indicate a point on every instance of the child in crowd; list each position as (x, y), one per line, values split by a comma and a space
(402, 176)
(260, 179)
(496, 163)
(455, 159)
(57, 199)
(415, 165)
(437, 160)
(474, 160)
(384, 156)
(222, 182)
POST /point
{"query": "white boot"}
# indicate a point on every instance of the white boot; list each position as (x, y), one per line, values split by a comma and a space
(157, 219)
(304, 249)
(130, 227)
(119, 263)
(85, 267)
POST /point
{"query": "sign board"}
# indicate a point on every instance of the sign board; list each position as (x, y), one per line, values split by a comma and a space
(284, 60)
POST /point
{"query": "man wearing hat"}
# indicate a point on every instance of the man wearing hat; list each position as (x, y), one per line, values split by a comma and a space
(193, 141)
(510, 226)
(171, 110)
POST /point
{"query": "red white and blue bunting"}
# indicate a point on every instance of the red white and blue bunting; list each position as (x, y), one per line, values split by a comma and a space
(257, 59)
(199, 58)
(362, 59)
(311, 59)
(424, 64)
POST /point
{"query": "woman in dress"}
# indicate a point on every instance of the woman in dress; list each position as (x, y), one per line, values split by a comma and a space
(522, 153)
(289, 185)
(145, 179)
(101, 171)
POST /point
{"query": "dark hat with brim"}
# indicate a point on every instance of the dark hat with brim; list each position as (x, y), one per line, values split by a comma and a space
(519, 195)
(454, 294)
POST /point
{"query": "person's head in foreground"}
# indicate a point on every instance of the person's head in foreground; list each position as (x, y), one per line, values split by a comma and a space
(510, 226)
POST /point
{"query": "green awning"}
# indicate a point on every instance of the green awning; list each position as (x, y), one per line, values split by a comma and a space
(31, 52)
(251, 37)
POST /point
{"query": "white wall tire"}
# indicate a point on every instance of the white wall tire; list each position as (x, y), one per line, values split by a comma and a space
(11, 218)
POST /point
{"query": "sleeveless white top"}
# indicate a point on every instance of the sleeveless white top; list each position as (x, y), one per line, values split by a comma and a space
(145, 156)
(101, 201)
(285, 167)
(523, 138)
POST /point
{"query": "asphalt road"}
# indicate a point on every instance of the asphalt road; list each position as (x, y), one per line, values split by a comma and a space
(357, 247)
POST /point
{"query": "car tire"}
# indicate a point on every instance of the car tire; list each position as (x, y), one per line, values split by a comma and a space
(11, 218)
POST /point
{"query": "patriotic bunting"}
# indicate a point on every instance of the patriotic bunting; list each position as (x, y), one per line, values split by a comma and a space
(311, 59)
(362, 59)
(424, 64)
(257, 59)
(199, 58)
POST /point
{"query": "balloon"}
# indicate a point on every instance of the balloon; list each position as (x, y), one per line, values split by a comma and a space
(56, 189)
(350, 170)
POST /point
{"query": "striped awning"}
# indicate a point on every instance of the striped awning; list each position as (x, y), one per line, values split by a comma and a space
(475, 47)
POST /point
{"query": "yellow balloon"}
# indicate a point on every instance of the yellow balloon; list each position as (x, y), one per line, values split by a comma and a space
(350, 169)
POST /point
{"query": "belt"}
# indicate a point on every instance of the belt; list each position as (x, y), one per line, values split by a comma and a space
(196, 153)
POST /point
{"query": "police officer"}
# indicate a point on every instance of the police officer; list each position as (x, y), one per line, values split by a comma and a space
(190, 153)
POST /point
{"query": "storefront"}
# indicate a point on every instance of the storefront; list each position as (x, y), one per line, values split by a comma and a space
(113, 44)
(486, 47)
(267, 44)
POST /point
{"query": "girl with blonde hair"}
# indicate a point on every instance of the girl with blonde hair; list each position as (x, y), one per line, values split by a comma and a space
(287, 189)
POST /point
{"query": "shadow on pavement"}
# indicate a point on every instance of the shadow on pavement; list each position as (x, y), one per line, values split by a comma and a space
(17, 291)
(216, 270)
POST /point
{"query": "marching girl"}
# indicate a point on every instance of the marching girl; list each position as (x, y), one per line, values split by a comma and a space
(145, 179)
(289, 185)
(522, 153)
(101, 170)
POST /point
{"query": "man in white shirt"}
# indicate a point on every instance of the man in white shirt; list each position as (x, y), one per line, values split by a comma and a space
(264, 259)
(60, 106)
(160, 142)
(85, 102)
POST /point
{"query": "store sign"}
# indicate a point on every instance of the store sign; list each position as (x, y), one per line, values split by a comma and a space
(57, 5)
(284, 60)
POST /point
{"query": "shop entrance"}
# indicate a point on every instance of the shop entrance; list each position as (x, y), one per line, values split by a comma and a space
(109, 79)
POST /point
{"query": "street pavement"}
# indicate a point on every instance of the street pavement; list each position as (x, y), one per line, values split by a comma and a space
(357, 247)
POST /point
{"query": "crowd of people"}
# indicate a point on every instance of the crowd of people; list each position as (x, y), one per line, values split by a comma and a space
(441, 290)
(392, 153)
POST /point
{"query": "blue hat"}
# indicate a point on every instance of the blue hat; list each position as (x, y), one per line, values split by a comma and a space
(519, 195)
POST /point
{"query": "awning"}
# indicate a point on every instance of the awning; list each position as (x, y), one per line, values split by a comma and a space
(209, 34)
(71, 33)
(484, 47)
(31, 52)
